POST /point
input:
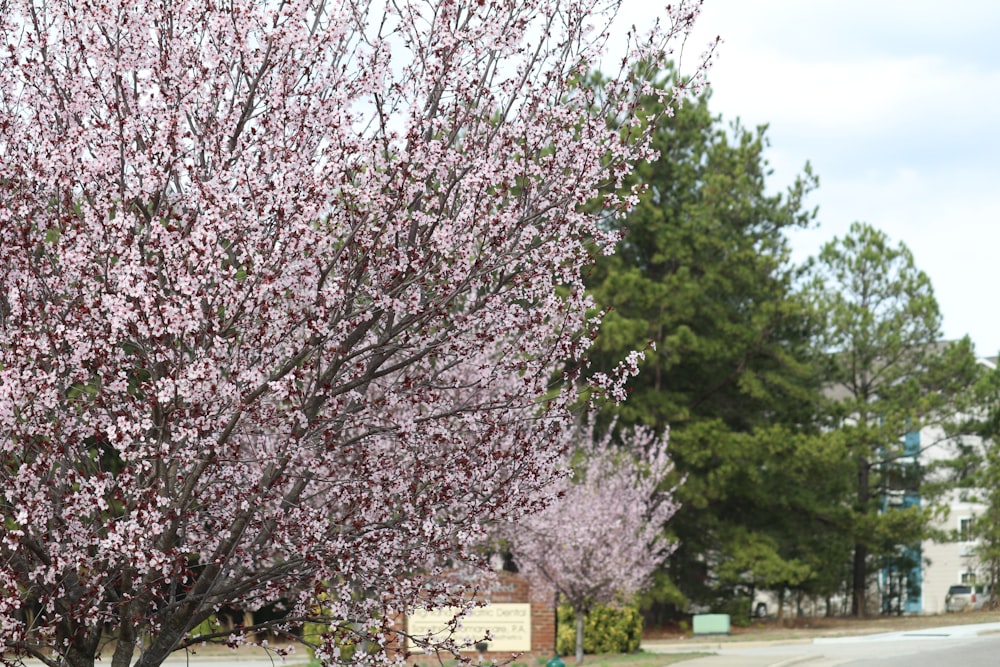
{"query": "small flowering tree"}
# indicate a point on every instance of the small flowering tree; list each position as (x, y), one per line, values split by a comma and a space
(602, 539)
(284, 286)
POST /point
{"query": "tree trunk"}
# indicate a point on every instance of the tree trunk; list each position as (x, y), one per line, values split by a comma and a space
(81, 646)
(859, 584)
(579, 635)
(80, 643)
(124, 648)
(79, 657)
(555, 616)
(859, 600)
(994, 582)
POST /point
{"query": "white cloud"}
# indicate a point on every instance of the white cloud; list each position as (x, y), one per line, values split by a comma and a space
(896, 104)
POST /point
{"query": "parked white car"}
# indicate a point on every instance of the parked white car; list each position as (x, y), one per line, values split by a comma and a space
(966, 597)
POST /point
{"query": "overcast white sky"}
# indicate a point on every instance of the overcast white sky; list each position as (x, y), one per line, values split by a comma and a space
(897, 106)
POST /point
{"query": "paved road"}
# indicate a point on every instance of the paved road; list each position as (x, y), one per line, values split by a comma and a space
(965, 645)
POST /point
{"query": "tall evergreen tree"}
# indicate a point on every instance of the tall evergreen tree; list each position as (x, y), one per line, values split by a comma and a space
(887, 376)
(704, 273)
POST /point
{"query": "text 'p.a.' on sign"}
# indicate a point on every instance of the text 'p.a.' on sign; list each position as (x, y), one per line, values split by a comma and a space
(509, 624)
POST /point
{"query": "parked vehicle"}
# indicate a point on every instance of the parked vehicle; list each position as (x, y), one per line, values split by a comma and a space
(966, 597)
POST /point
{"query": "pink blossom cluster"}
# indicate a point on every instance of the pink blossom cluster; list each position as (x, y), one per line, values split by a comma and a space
(601, 540)
(288, 294)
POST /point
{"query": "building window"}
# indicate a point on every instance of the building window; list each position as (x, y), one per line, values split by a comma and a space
(965, 530)
(969, 578)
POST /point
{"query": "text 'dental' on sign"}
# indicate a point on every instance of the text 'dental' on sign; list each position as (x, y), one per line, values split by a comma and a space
(509, 623)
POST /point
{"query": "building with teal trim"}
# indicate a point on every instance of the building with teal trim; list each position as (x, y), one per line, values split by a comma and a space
(949, 561)
(900, 578)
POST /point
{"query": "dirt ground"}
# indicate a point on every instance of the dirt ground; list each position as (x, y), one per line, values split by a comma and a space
(808, 627)
(769, 630)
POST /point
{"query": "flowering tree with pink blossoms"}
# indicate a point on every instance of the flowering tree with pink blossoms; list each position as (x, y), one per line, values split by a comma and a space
(601, 540)
(284, 287)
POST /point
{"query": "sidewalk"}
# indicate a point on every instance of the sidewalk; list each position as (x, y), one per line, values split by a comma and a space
(751, 661)
(708, 646)
(820, 651)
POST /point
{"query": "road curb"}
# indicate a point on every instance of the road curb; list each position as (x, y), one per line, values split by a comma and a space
(684, 647)
(795, 660)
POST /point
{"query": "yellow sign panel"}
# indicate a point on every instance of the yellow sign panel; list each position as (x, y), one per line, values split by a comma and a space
(509, 624)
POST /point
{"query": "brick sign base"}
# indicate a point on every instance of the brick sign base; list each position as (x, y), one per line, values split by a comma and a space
(519, 624)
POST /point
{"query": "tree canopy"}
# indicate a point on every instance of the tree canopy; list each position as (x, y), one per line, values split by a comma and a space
(284, 288)
(704, 274)
(602, 539)
(888, 375)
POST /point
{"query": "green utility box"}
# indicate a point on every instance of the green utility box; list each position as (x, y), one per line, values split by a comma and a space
(711, 624)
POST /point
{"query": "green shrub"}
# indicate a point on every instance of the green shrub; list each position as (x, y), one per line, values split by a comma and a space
(605, 630)
(738, 608)
(315, 632)
(206, 627)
